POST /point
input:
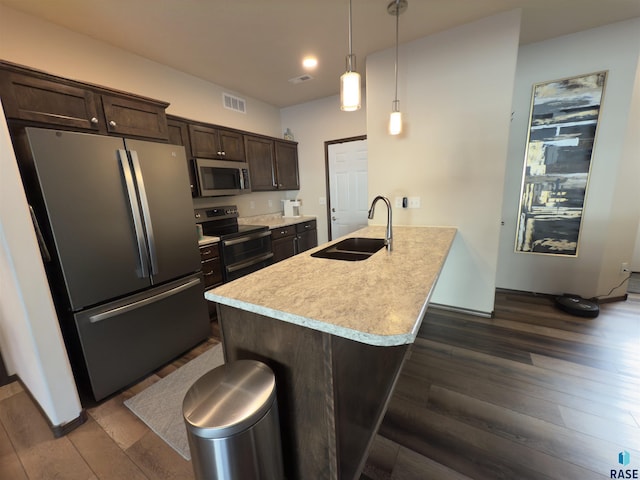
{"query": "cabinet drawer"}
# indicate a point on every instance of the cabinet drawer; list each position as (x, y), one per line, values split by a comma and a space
(212, 272)
(208, 252)
(282, 232)
(306, 226)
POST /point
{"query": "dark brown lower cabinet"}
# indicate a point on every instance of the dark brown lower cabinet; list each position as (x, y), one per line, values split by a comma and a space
(293, 239)
(212, 271)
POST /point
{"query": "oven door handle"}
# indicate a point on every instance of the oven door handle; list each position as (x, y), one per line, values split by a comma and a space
(254, 236)
(239, 266)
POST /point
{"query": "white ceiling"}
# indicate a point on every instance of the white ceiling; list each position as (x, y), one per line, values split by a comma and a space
(254, 47)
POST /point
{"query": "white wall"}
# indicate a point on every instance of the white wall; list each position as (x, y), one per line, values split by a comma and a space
(35, 43)
(612, 208)
(312, 124)
(29, 41)
(455, 95)
(30, 339)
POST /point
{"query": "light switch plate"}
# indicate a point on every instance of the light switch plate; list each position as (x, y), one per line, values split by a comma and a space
(398, 201)
(414, 202)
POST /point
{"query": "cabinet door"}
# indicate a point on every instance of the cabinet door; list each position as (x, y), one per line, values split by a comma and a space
(260, 156)
(283, 248)
(125, 116)
(307, 240)
(204, 142)
(287, 166)
(179, 135)
(231, 145)
(39, 100)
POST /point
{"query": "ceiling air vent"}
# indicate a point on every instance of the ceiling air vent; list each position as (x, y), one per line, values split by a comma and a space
(234, 103)
(302, 78)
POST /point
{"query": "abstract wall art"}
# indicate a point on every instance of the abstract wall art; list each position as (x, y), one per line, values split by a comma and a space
(562, 133)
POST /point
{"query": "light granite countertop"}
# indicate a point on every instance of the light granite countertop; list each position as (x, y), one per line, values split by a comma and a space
(378, 301)
(207, 240)
(274, 220)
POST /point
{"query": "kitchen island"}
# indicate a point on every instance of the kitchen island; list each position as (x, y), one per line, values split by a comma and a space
(336, 334)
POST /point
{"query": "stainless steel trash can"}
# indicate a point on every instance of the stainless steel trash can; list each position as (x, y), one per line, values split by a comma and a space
(231, 415)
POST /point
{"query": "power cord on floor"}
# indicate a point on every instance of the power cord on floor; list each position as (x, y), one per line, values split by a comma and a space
(617, 286)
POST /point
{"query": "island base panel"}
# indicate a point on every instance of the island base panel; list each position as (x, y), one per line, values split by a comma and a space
(332, 391)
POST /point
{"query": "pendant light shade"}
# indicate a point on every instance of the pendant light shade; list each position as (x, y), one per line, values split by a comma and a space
(396, 7)
(395, 120)
(350, 98)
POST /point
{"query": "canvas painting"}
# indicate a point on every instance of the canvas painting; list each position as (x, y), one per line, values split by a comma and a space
(562, 133)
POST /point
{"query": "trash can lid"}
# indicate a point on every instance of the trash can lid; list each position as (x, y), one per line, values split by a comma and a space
(229, 399)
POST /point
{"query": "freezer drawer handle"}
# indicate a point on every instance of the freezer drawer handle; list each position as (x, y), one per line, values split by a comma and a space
(142, 303)
(253, 261)
(145, 212)
(135, 212)
(235, 241)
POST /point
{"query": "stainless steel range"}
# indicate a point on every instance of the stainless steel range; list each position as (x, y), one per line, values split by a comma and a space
(243, 248)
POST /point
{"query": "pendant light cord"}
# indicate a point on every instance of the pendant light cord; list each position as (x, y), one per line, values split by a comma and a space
(350, 66)
(397, 23)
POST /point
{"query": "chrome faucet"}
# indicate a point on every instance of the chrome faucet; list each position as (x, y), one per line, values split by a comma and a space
(389, 239)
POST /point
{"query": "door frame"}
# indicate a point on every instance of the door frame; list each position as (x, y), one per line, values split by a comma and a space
(326, 173)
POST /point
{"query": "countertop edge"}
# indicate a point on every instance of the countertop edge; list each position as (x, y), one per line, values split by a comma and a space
(348, 333)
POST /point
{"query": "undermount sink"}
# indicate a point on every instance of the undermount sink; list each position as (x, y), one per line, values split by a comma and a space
(351, 249)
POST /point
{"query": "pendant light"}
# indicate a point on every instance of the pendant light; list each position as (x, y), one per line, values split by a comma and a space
(350, 80)
(396, 7)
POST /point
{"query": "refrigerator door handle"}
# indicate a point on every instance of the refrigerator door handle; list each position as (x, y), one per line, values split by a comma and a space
(144, 302)
(145, 212)
(135, 212)
(44, 251)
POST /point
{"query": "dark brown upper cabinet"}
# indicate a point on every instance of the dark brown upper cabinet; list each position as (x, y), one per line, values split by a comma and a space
(45, 101)
(39, 98)
(218, 143)
(261, 159)
(273, 164)
(287, 165)
(124, 116)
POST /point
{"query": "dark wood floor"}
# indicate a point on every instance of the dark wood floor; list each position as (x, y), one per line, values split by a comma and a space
(530, 394)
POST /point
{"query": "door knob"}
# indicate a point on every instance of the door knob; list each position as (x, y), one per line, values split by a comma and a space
(333, 218)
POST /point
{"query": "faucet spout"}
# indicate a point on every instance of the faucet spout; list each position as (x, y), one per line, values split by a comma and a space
(388, 241)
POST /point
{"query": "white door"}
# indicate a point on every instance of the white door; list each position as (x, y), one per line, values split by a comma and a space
(348, 191)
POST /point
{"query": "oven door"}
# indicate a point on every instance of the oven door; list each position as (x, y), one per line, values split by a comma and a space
(218, 177)
(246, 254)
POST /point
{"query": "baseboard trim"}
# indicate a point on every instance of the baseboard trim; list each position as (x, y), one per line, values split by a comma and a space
(468, 311)
(57, 430)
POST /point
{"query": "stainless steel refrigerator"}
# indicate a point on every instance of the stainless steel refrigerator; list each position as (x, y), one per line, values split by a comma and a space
(115, 221)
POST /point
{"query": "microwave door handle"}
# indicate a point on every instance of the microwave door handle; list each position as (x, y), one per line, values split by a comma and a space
(135, 213)
(145, 212)
(241, 174)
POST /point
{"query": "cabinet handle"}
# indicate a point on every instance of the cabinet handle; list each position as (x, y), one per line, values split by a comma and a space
(94, 120)
(208, 274)
(113, 124)
(205, 252)
(224, 153)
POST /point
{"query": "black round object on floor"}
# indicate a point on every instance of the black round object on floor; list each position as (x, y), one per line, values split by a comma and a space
(576, 305)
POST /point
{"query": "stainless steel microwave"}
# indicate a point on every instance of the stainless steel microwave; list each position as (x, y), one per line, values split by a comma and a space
(221, 177)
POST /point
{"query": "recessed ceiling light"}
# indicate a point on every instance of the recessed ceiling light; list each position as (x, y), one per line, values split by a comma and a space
(309, 62)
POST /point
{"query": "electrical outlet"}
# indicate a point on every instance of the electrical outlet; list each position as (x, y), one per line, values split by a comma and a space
(398, 201)
(252, 204)
(624, 268)
(414, 202)
(270, 203)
